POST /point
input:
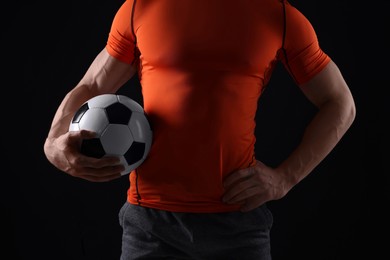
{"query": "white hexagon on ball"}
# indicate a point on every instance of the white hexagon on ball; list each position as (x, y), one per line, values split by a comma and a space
(116, 139)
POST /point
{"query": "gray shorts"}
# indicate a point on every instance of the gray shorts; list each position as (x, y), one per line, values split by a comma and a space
(158, 234)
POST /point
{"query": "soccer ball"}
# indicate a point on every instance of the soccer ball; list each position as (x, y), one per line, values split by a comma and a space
(122, 129)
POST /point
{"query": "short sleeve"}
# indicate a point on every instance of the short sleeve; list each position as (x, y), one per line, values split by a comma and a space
(121, 41)
(303, 56)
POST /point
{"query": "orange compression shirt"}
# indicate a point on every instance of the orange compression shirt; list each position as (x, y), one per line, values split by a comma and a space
(202, 67)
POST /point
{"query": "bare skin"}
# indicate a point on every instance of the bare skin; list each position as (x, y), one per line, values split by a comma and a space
(105, 75)
(256, 185)
(250, 187)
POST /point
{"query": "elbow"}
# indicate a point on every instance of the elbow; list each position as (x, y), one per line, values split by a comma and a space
(350, 110)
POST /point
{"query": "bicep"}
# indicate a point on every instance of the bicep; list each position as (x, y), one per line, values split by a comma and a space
(327, 85)
(107, 74)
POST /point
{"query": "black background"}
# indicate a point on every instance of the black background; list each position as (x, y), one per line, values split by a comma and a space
(340, 211)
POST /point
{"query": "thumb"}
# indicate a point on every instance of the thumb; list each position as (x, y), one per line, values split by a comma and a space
(87, 134)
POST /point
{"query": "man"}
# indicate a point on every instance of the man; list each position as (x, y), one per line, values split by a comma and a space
(201, 193)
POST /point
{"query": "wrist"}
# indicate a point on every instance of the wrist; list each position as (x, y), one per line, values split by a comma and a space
(289, 177)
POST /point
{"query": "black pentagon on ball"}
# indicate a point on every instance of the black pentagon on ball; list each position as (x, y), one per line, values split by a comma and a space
(118, 113)
(92, 148)
(79, 113)
(135, 153)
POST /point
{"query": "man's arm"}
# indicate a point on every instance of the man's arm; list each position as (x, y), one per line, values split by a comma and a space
(105, 75)
(330, 93)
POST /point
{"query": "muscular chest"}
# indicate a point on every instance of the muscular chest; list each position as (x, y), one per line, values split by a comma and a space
(233, 35)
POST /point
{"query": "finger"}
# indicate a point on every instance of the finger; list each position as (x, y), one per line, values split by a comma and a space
(86, 134)
(99, 174)
(238, 192)
(236, 176)
(82, 134)
(99, 178)
(96, 163)
(75, 138)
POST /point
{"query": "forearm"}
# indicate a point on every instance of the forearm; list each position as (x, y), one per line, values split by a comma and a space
(105, 75)
(320, 137)
(67, 108)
